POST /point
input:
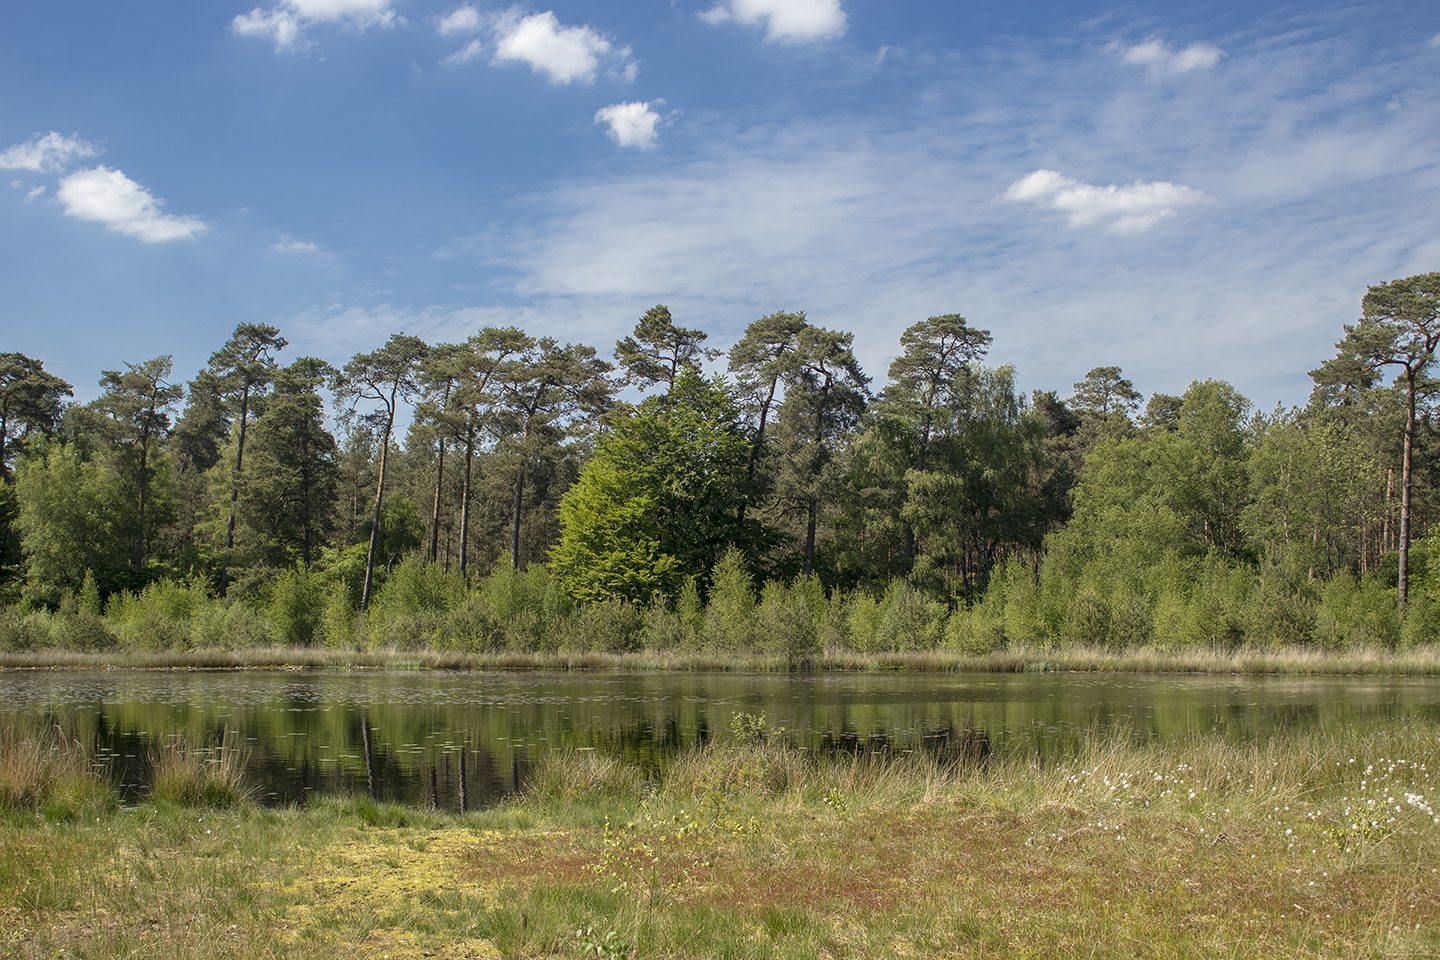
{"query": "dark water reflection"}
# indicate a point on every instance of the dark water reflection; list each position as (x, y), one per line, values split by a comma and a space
(422, 737)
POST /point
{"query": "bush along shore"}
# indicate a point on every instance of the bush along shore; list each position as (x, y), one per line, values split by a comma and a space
(1308, 845)
(425, 617)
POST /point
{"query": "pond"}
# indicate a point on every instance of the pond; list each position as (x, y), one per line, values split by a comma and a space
(466, 739)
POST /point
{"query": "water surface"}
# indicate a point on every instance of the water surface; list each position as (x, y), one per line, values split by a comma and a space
(448, 738)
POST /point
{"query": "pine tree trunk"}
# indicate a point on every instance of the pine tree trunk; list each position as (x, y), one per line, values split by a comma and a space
(234, 490)
(375, 514)
(810, 536)
(435, 508)
(465, 502)
(515, 516)
(1405, 482)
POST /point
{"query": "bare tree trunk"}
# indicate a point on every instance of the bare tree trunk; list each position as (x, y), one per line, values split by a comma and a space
(755, 450)
(465, 501)
(375, 514)
(1405, 482)
(235, 490)
(810, 535)
(435, 508)
(1385, 516)
(515, 517)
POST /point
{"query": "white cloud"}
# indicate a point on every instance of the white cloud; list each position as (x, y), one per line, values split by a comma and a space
(1156, 55)
(285, 23)
(461, 20)
(288, 244)
(46, 153)
(786, 21)
(466, 53)
(277, 26)
(34, 193)
(634, 124)
(563, 54)
(108, 196)
(1435, 41)
(1132, 208)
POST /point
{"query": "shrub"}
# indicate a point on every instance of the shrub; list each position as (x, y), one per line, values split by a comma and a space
(664, 628)
(229, 626)
(296, 609)
(729, 617)
(471, 626)
(157, 617)
(1283, 608)
(862, 617)
(784, 620)
(21, 631)
(1087, 619)
(1354, 612)
(341, 627)
(909, 620)
(613, 626)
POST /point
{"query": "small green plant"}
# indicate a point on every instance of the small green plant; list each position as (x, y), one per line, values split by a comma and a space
(751, 727)
(662, 857)
(606, 946)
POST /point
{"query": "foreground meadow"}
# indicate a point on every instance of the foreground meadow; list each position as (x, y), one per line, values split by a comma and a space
(1322, 844)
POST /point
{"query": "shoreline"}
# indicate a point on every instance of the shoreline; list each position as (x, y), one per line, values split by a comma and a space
(1364, 662)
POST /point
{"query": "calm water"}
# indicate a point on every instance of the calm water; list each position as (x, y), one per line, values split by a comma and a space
(431, 737)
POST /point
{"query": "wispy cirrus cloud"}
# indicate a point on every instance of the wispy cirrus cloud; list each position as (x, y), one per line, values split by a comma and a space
(289, 245)
(1161, 60)
(785, 21)
(285, 24)
(462, 20)
(872, 221)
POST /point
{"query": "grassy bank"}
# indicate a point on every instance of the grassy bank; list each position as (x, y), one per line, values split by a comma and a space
(1315, 845)
(1365, 661)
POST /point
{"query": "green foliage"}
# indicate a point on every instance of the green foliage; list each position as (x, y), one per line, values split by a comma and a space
(784, 621)
(159, 616)
(409, 608)
(909, 620)
(72, 521)
(658, 502)
(609, 626)
(296, 606)
(1355, 612)
(730, 616)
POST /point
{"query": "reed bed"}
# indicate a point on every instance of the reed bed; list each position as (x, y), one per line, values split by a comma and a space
(1363, 661)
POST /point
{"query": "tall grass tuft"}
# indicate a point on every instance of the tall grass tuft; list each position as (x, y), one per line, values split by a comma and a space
(190, 776)
(48, 774)
(567, 776)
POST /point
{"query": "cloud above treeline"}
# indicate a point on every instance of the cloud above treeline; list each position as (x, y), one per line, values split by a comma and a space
(1129, 209)
(46, 153)
(562, 53)
(286, 23)
(109, 197)
(785, 21)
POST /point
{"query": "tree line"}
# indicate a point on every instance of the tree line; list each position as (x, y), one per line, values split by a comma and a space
(677, 473)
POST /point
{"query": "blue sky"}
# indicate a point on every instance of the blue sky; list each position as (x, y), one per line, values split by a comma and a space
(1186, 191)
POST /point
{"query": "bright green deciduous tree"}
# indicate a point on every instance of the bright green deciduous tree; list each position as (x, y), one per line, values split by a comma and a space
(658, 500)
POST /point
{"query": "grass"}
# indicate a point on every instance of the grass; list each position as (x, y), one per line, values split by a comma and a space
(1312, 845)
(1363, 661)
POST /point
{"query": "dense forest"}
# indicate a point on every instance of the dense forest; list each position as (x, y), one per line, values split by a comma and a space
(517, 492)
